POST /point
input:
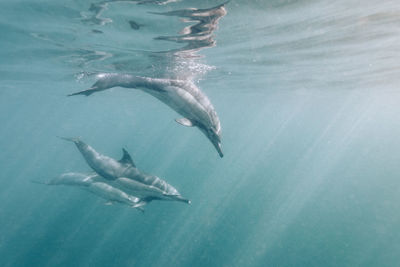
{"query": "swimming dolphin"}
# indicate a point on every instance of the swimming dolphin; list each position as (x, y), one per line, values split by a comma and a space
(94, 184)
(107, 167)
(183, 96)
(125, 174)
(145, 192)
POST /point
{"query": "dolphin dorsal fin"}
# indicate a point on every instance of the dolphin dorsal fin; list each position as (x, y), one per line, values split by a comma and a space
(126, 158)
(185, 122)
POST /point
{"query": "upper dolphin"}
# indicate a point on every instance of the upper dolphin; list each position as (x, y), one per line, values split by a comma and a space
(183, 96)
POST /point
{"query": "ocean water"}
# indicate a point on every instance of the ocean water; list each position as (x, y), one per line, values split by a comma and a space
(308, 97)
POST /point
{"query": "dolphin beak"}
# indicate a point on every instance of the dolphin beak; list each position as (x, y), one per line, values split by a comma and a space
(215, 139)
(187, 201)
(180, 198)
(218, 147)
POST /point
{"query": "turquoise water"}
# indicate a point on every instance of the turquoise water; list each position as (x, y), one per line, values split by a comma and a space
(308, 97)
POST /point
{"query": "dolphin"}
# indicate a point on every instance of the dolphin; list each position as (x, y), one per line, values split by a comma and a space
(147, 192)
(107, 167)
(183, 96)
(125, 175)
(94, 183)
(72, 178)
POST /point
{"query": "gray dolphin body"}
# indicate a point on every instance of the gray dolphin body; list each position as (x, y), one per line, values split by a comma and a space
(124, 175)
(97, 186)
(182, 96)
(146, 192)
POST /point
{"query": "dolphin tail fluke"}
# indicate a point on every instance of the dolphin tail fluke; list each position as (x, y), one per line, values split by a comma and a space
(86, 92)
(70, 139)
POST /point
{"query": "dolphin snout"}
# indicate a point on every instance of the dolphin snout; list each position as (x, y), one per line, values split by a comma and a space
(214, 138)
(218, 147)
(216, 141)
(187, 201)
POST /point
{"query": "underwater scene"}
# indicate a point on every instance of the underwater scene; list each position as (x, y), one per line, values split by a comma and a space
(199, 133)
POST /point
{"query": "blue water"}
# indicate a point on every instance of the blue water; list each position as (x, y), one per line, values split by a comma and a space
(308, 97)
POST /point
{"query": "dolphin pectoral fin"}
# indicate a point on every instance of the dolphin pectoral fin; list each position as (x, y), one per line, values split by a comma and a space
(126, 158)
(185, 122)
(139, 205)
(86, 92)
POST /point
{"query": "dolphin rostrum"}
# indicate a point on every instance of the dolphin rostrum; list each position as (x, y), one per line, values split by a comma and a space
(124, 175)
(96, 185)
(183, 96)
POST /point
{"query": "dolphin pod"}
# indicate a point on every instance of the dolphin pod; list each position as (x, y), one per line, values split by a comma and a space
(183, 96)
(125, 174)
(118, 180)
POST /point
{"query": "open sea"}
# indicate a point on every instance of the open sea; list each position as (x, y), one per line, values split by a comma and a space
(308, 97)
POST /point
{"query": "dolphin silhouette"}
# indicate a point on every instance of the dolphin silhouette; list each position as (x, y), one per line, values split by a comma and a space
(183, 96)
(98, 186)
(124, 175)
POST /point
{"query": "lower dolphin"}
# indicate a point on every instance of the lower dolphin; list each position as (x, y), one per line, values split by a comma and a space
(97, 185)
